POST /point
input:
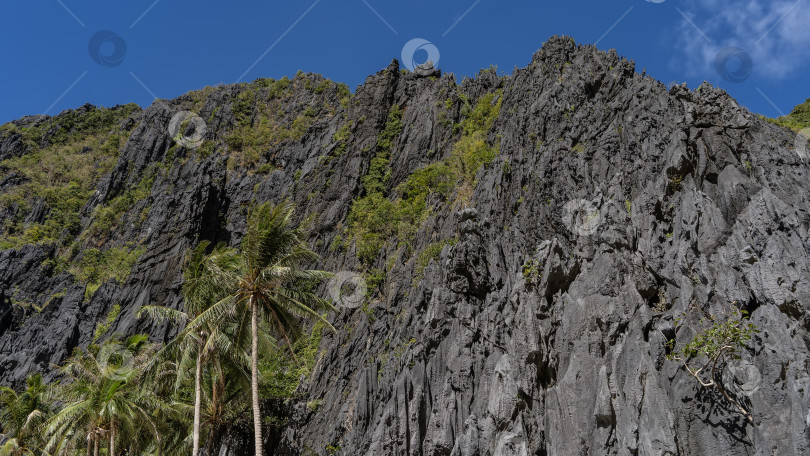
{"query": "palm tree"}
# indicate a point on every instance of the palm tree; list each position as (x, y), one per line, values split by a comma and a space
(204, 342)
(225, 400)
(21, 416)
(266, 282)
(102, 397)
(189, 343)
(172, 415)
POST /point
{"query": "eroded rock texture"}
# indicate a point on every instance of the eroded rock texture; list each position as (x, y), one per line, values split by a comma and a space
(633, 203)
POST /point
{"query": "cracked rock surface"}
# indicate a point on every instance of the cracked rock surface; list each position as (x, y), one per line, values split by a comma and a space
(634, 204)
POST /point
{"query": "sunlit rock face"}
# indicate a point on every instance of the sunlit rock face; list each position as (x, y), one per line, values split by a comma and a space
(538, 323)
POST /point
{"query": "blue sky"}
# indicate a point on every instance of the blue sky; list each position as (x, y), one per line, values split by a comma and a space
(758, 50)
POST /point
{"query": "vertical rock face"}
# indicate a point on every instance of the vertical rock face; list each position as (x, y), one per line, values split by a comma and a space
(612, 207)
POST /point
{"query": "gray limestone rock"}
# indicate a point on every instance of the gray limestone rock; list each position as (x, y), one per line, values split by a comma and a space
(635, 202)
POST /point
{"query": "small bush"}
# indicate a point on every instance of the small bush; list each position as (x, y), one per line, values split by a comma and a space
(97, 267)
(341, 139)
(103, 326)
(264, 168)
(321, 88)
(375, 278)
(798, 119)
(533, 271)
(279, 89)
(344, 95)
(108, 217)
(206, 149)
(708, 354)
(242, 108)
(430, 253)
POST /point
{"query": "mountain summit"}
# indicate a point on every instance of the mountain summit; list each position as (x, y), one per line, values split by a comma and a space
(528, 245)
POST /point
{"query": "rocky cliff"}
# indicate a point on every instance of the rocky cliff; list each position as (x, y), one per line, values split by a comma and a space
(527, 242)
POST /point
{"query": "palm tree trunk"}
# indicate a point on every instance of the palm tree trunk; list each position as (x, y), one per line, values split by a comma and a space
(95, 442)
(214, 411)
(210, 444)
(254, 376)
(197, 402)
(112, 441)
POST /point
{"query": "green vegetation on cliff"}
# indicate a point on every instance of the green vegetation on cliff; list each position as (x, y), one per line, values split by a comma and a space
(67, 156)
(243, 319)
(262, 123)
(798, 119)
(376, 219)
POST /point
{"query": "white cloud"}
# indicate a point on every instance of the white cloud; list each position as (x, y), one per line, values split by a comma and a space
(775, 33)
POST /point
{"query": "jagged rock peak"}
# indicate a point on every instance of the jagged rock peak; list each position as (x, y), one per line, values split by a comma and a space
(528, 240)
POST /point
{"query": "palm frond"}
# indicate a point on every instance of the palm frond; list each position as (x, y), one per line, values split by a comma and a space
(292, 302)
(214, 313)
(161, 313)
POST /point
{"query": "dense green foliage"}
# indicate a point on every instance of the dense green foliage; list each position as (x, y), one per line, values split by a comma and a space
(376, 179)
(131, 397)
(262, 282)
(71, 126)
(61, 223)
(248, 142)
(282, 374)
(215, 351)
(472, 151)
(105, 400)
(22, 415)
